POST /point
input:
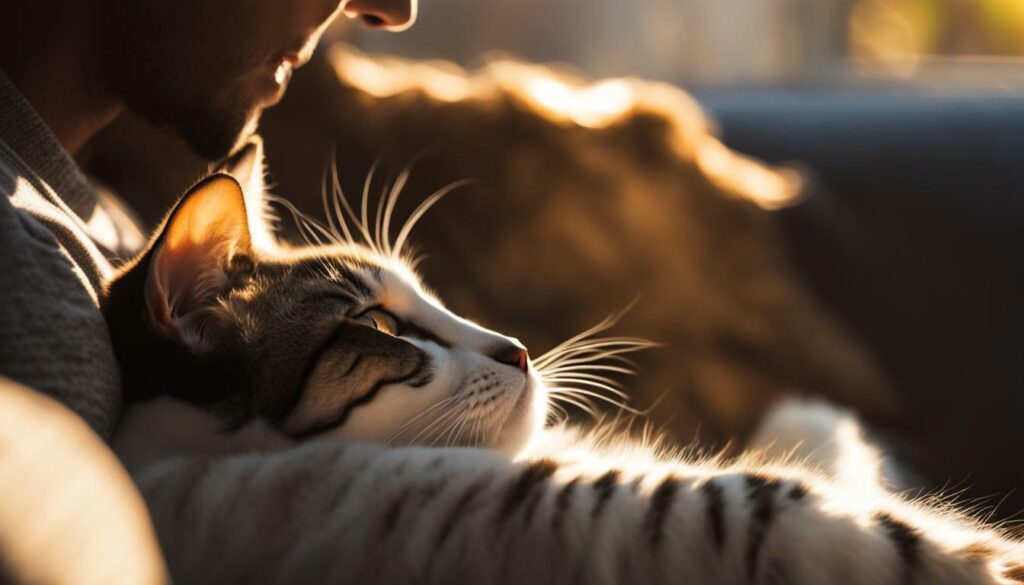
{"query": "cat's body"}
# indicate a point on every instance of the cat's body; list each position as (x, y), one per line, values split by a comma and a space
(260, 382)
(361, 513)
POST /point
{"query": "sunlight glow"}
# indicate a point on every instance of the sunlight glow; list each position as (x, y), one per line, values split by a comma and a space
(569, 99)
(769, 188)
(384, 77)
(70, 512)
(595, 106)
(882, 35)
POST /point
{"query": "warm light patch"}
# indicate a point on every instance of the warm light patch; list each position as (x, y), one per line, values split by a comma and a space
(70, 512)
(569, 99)
(748, 179)
(881, 34)
(595, 106)
(386, 77)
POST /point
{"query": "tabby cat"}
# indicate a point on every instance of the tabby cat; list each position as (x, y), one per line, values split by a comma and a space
(241, 365)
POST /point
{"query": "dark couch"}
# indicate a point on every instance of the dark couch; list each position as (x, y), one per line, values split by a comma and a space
(914, 236)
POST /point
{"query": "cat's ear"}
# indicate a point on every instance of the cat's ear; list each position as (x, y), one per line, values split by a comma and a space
(246, 166)
(191, 259)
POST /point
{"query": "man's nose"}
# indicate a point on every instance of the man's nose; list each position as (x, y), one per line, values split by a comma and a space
(393, 15)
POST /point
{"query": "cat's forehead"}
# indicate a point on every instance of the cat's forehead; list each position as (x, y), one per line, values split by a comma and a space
(363, 272)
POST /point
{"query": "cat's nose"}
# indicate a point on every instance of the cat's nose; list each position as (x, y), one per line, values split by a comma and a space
(511, 354)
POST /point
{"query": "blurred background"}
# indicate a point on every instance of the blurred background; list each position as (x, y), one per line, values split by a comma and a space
(821, 198)
(939, 45)
(906, 119)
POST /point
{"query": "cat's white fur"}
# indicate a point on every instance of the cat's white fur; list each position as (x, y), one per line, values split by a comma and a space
(830, 439)
(329, 511)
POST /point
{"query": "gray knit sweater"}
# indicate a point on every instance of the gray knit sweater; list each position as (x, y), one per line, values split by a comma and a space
(52, 268)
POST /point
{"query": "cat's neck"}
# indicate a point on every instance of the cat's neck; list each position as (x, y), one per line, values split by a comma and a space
(166, 428)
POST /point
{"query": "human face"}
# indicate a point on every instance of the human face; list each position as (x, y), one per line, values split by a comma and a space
(206, 69)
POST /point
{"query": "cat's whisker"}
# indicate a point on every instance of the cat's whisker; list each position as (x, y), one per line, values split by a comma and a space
(363, 221)
(445, 434)
(589, 368)
(430, 428)
(616, 344)
(453, 435)
(478, 433)
(392, 200)
(597, 351)
(346, 207)
(310, 230)
(471, 435)
(556, 413)
(560, 364)
(375, 232)
(456, 430)
(584, 372)
(621, 404)
(339, 202)
(604, 341)
(421, 209)
(378, 219)
(611, 388)
(583, 405)
(600, 327)
(449, 418)
(574, 369)
(587, 336)
(579, 390)
(444, 405)
(294, 213)
(326, 197)
(573, 376)
(413, 420)
(414, 261)
(604, 356)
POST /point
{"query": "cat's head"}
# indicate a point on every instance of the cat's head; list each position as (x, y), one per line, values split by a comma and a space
(320, 341)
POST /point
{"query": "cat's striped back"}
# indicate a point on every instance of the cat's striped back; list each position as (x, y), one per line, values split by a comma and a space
(361, 513)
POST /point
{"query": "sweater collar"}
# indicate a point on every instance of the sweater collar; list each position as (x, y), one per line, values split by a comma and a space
(26, 133)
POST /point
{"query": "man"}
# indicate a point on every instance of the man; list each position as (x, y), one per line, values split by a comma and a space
(204, 70)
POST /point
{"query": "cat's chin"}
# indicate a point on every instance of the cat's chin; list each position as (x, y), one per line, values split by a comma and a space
(525, 418)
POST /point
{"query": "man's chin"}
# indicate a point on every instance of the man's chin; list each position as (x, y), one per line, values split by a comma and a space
(210, 131)
(215, 139)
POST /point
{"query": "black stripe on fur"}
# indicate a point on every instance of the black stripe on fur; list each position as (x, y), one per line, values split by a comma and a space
(797, 493)
(605, 487)
(661, 504)
(761, 495)
(714, 504)
(907, 542)
(534, 474)
(423, 362)
(458, 511)
(562, 503)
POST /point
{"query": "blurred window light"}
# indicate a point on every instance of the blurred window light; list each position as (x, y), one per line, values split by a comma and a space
(967, 43)
(957, 44)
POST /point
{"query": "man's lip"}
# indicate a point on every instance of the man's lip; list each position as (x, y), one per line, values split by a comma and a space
(298, 52)
(293, 58)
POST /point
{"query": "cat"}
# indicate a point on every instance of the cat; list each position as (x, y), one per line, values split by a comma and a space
(338, 342)
(262, 383)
